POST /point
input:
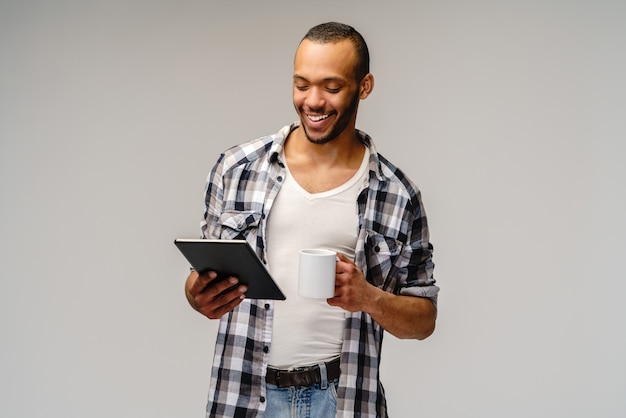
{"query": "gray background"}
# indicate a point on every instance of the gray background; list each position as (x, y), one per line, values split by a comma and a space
(509, 115)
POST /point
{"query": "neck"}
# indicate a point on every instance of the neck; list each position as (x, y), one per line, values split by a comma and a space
(344, 150)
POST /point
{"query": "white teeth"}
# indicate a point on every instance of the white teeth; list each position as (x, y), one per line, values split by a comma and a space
(317, 118)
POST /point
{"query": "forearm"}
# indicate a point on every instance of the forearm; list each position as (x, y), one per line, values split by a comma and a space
(403, 316)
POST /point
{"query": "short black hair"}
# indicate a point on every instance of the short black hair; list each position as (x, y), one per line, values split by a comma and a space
(336, 32)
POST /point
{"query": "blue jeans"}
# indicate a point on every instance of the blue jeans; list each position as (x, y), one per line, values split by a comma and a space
(316, 401)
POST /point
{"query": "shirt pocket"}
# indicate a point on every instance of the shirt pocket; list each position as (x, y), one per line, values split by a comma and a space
(381, 252)
(240, 225)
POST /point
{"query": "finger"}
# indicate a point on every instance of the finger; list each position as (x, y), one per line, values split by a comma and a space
(227, 301)
(220, 291)
(219, 287)
(342, 258)
(200, 282)
(335, 300)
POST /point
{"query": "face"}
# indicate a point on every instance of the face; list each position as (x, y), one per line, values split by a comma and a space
(326, 93)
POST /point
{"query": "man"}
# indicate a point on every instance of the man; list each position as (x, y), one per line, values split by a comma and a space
(317, 183)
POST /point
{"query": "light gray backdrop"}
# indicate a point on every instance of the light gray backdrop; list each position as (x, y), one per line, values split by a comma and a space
(509, 115)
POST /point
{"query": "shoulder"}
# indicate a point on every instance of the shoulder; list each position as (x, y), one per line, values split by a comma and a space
(386, 176)
(254, 150)
(397, 183)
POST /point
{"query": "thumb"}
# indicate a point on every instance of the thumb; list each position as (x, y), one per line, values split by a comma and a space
(343, 258)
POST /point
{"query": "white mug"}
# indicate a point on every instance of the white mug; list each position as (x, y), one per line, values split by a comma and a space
(316, 273)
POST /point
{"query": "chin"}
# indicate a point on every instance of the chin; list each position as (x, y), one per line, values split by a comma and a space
(319, 139)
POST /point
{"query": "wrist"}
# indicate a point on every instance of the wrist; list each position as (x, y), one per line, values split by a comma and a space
(375, 301)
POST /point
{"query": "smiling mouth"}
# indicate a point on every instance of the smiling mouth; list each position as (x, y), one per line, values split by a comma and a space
(317, 118)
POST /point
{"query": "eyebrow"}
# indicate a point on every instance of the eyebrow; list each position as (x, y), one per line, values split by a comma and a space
(297, 77)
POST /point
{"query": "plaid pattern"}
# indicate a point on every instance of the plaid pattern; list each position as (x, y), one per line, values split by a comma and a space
(393, 251)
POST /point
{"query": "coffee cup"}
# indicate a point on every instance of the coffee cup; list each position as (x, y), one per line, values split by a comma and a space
(316, 273)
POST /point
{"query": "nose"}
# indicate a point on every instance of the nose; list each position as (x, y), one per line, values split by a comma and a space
(315, 98)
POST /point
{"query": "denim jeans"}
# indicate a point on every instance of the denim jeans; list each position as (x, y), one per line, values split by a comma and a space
(315, 401)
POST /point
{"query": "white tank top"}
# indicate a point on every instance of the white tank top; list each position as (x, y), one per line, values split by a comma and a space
(308, 331)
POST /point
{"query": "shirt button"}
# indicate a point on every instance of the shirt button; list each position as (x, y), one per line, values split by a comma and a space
(377, 249)
(279, 178)
(266, 349)
(262, 399)
(267, 306)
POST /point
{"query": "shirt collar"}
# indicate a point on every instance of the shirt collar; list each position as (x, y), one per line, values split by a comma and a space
(279, 142)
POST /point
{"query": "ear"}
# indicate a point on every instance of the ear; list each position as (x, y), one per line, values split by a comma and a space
(366, 86)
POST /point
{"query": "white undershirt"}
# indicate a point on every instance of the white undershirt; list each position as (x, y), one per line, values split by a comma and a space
(308, 331)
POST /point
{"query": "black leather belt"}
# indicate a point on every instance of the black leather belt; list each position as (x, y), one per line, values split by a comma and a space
(305, 376)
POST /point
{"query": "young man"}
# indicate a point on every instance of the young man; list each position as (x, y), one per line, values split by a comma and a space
(318, 183)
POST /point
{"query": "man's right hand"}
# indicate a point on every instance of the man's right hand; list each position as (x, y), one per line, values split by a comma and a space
(213, 296)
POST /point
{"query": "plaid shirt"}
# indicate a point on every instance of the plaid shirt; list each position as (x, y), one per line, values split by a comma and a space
(393, 251)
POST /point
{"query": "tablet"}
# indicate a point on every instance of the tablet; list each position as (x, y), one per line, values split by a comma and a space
(231, 258)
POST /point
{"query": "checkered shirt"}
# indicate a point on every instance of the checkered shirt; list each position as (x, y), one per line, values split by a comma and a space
(393, 251)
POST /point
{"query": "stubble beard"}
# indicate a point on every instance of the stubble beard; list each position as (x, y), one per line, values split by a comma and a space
(339, 126)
